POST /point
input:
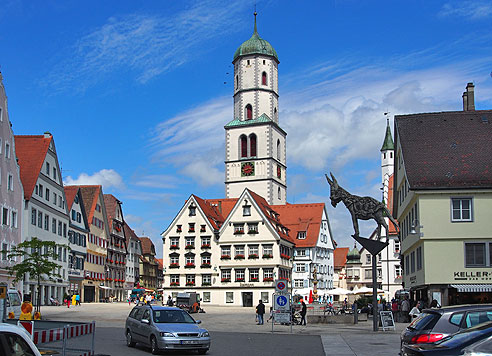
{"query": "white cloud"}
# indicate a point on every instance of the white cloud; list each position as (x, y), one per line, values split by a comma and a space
(145, 45)
(156, 181)
(194, 141)
(473, 10)
(105, 177)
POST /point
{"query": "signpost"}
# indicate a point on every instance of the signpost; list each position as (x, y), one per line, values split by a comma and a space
(282, 305)
(387, 321)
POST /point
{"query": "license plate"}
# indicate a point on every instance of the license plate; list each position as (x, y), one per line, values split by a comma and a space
(189, 342)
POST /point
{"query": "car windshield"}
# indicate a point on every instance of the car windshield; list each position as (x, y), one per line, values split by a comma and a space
(172, 316)
(464, 336)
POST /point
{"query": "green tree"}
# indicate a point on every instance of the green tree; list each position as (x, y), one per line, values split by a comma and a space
(36, 258)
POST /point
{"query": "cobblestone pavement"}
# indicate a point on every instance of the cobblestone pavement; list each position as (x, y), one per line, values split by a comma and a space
(337, 339)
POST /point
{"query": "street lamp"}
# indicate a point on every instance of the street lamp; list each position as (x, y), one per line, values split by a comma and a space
(414, 226)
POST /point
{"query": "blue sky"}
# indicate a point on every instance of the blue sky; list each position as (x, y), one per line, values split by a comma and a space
(136, 93)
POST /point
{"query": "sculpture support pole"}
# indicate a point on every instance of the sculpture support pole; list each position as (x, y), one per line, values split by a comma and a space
(374, 294)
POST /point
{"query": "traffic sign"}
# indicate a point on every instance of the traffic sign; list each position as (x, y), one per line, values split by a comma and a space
(282, 302)
(281, 317)
(280, 286)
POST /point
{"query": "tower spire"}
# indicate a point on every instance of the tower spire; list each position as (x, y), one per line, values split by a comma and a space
(255, 13)
(388, 139)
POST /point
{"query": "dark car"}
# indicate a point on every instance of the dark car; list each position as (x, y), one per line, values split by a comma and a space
(165, 328)
(435, 324)
(456, 344)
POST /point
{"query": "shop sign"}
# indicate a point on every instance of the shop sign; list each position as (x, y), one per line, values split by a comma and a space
(413, 279)
(472, 276)
(246, 285)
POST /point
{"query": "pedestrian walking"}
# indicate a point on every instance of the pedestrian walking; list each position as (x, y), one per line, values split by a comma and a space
(271, 315)
(170, 302)
(394, 309)
(303, 312)
(405, 308)
(260, 311)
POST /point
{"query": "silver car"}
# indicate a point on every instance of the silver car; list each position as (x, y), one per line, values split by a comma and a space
(165, 328)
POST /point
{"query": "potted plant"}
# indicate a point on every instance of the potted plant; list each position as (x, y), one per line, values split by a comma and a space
(239, 257)
(253, 256)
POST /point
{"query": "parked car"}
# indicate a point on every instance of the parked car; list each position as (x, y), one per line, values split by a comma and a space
(15, 340)
(435, 324)
(461, 343)
(13, 303)
(165, 328)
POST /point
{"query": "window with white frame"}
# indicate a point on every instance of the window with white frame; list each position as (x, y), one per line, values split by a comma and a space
(301, 235)
(264, 297)
(476, 254)
(397, 246)
(5, 216)
(225, 275)
(253, 250)
(461, 209)
(206, 297)
(229, 297)
(300, 267)
(33, 216)
(13, 221)
(190, 260)
(226, 251)
(7, 150)
(350, 273)
(190, 279)
(174, 241)
(206, 260)
(174, 260)
(238, 228)
(40, 219)
(398, 273)
(368, 259)
(206, 241)
(206, 279)
(268, 273)
(301, 252)
(368, 274)
(298, 283)
(268, 250)
(356, 274)
(190, 242)
(239, 275)
(174, 278)
(246, 210)
(239, 250)
(252, 228)
(254, 274)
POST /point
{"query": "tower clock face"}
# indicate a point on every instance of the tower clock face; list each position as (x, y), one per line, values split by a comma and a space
(247, 169)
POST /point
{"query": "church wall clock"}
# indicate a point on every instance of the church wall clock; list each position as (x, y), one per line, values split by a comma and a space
(247, 169)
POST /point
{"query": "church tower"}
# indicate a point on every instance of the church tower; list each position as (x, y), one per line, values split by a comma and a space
(387, 160)
(255, 143)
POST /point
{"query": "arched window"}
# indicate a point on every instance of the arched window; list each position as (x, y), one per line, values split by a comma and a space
(243, 141)
(237, 82)
(249, 112)
(252, 145)
(278, 150)
(264, 78)
(279, 194)
(275, 113)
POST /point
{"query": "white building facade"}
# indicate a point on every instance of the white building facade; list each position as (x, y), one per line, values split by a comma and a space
(11, 192)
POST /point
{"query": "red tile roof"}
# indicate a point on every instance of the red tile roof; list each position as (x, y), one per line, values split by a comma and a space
(90, 196)
(272, 216)
(111, 204)
(211, 212)
(446, 150)
(160, 262)
(222, 206)
(340, 257)
(70, 193)
(129, 233)
(31, 152)
(302, 217)
(147, 246)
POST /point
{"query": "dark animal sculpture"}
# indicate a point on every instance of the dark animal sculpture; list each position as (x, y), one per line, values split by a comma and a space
(363, 208)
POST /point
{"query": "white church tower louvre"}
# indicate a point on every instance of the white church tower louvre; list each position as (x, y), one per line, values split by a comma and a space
(255, 143)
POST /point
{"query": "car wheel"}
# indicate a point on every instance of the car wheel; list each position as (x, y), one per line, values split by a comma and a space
(202, 352)
(129, 339)
(153, 345)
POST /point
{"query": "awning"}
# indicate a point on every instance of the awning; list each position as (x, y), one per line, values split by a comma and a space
(104, 287)
(468, 288)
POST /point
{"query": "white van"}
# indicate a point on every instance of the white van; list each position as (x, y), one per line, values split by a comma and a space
(13, 304)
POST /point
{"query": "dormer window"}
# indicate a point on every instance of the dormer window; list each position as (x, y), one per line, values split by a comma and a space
(178, 228)
(191, 227)
(246, 210)
(192, 209)
(301, 235)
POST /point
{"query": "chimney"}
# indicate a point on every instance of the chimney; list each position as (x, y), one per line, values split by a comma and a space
(47, 134)
(220, 206)
(470, 94)
(465, 101)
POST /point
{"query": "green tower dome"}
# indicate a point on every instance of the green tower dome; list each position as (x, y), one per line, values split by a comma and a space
(353, 256)
(255, 45)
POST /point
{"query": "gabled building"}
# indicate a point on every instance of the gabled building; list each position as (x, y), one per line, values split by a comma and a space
(148, 265)
(443, 199)
(78, 230)
(117, 249)
(230, 251)
(45, 213)
(339, 266)
(309, 226)
(94, 285)
(11, 192)
(132, 265)
(160, 273)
